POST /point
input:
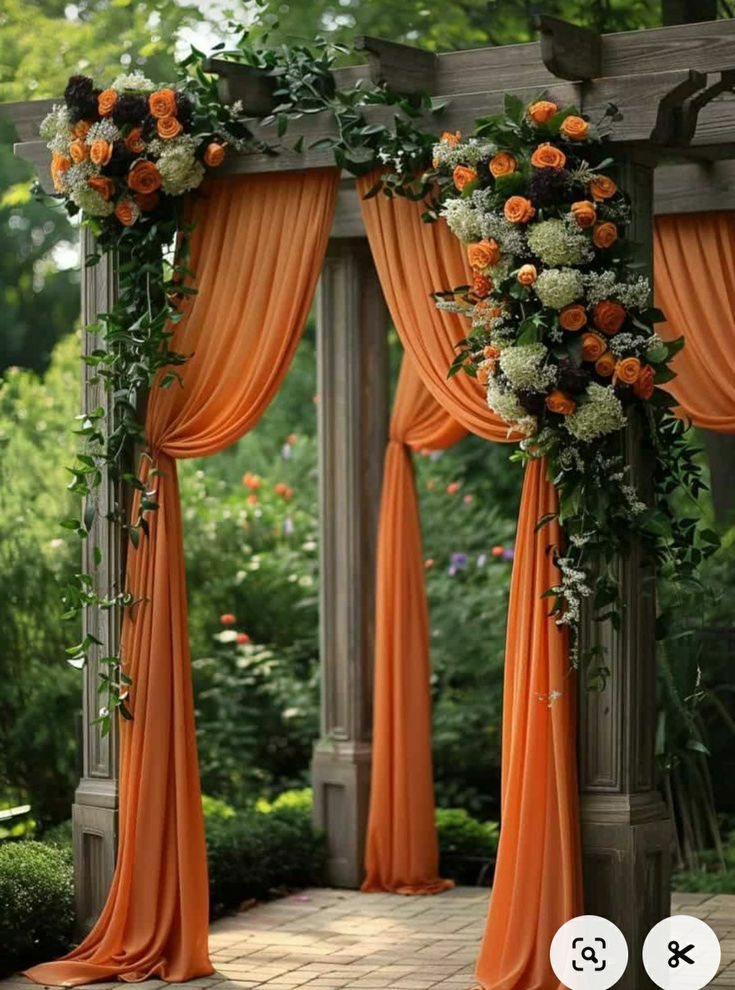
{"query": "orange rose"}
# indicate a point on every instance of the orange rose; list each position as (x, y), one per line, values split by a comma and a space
(518, 209)
(106, 102)
(628, 370)
(462, 176)
(573, 317)
(215, 154)
(593, 346)
(451, 139)
(644, 386)
(548, 156)
(584, 213)
(144, 177)
(483, 254)
(168, 127)
(147, 201)
(602, 188)
(125, 212)
(104, 186)
(59, 164)
(484, 371)
(609, 316)
(502, 164)
(481, 285)
(490, 353)
(574, 128)
(134, 141)
(541, 111)
(162, 103)
(81, 128)
(605, 365)
(558, 402)
(78, 151)
(527, 274)
(100, 152)
(605, 235)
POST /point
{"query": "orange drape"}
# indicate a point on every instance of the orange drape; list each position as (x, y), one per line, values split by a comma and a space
(694, 267)
(255, 285)
(402, 849)
(539, 888)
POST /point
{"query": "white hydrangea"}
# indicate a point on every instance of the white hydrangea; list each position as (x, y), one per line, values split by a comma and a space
(103, 130)
(178, 165)
(558, 287)
(510, 236)
(557, 242)
(133, 80)
(91, 202)
(462, 219)
(469, 152)
(525, 368)
(600, 414)
(604, 285)
(75, 178)
(504, 402)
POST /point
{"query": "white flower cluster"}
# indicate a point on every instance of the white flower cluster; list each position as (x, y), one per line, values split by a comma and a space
(103, 130)
(180, 170)
(510, 237)
(604, 285)
(559, 242)
(656, 349)
(558, 287)
(90, 201)
(628, 345)
(469, 152)
(462, 219)
(56, 129)
(525, 368)
(600, 414)
(573, 589)
(504, 402)
(133, 81)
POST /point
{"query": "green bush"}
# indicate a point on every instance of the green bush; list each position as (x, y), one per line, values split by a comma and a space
(467, 847)
(36, 904)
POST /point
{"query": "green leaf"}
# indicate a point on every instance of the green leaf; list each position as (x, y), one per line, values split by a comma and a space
(514, 107)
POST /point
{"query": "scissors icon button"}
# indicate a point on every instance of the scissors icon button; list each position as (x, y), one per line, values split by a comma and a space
(679, 954)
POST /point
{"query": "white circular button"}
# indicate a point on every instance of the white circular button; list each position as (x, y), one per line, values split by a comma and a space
(589, 953)
(681, 953)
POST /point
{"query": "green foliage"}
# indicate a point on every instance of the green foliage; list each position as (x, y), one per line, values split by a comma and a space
(467, 847)
(36, 904)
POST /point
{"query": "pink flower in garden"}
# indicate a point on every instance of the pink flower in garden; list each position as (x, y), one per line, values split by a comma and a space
(497, 551)
(228, 619)
(468, 499)
(242, 638)
(429, 563)
(453, 488)
(251, 481)
(292, 438)
(252, 499)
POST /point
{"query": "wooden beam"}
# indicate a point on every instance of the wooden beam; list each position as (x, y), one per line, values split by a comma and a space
(401, 67)
(252, 86)
(568, 51)
(696, 187)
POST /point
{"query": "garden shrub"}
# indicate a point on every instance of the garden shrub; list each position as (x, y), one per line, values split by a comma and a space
(36, 904)
(467, 847)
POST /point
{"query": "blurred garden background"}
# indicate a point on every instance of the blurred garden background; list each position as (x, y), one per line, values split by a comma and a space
(252, 530)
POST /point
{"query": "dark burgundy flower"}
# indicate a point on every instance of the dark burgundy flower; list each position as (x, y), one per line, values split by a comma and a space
(150, 128)
(80, 97)
(121, 160)
(184, 108)
(573, 380)
(550, 186)
(129, 109)
(532, 402)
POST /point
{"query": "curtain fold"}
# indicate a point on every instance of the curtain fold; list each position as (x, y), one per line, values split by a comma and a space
(413, 260)
(694, 268)
(255, 287)
(402, 852)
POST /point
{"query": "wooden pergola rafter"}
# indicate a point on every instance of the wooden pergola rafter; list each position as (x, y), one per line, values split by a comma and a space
(676, 141)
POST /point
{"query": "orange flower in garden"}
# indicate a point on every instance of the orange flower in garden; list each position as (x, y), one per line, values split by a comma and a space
(593, 346)
(242, 638)
(527, 274)
(462, 176)
(574, 128)
(162, 103)
(106, 102)
(604, 235)
(605, 365)
(573, 317)
(144, 177)
(481, 285)
(497, 551)
(548, 156)
(81, 129)
(644, 386)
(584, 212)
(252, 499)
(468, 499)
(134, 141)
(483, 254)
(228, 619)
(541, 111)
(628, 370)
(429, 563)
(168, 127)
(79, 151)
(100, 152)
(602, 188)
(453, 488)
(59, 164)
(518, 209)
(609, 316)
(101, 184)
(502, 164)
(292, 438)
(558, 402)
(147, 201)
(251, 481)
(215, 154)
(281, 488)
(125, 212)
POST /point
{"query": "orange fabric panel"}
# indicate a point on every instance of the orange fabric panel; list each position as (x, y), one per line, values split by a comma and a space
(538, 873)
(402, 851)
(255, 289)
(694, 278)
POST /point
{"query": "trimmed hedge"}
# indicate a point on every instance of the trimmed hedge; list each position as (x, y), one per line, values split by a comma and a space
(467, 847)
(36, 904)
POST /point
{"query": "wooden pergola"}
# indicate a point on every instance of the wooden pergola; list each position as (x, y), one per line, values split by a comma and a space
(673, 87)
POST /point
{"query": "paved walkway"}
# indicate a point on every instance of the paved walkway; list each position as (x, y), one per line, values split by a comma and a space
(343, 940)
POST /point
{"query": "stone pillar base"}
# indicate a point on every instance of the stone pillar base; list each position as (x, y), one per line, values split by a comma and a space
(341, 780)
(94, 818)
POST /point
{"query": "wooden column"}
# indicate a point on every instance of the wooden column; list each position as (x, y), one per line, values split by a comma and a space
(626, 832)
(95, 808)
(352, 323)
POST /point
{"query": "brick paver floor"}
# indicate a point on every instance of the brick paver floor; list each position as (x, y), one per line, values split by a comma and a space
(343, 940)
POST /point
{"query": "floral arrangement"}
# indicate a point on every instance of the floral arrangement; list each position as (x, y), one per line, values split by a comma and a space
(562, 334)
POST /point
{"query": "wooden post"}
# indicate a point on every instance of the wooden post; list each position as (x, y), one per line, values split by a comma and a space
(95, 808)
(352, 323)
(626, 832)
